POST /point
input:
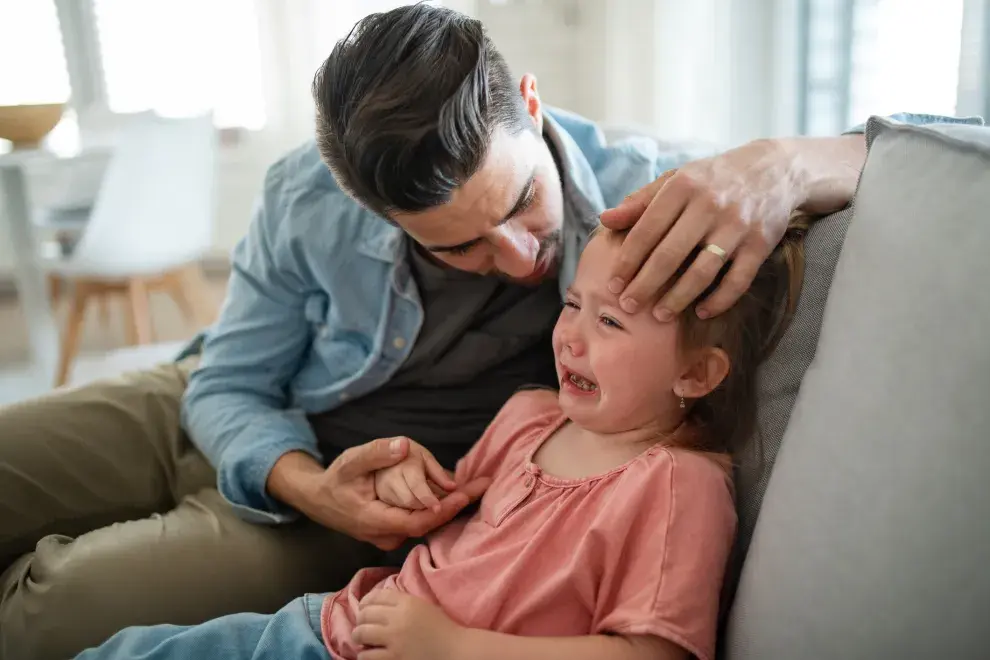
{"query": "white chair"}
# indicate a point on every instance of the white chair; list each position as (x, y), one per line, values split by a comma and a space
(150, 224)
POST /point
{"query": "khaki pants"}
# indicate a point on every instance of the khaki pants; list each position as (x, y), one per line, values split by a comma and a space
(109, 518)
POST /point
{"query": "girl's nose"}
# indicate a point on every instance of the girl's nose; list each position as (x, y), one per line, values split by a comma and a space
(573, 340)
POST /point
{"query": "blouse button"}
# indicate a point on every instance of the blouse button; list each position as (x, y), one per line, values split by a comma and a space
(529, 481)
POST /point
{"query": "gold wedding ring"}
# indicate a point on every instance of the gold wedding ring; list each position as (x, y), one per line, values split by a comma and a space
(716, 250)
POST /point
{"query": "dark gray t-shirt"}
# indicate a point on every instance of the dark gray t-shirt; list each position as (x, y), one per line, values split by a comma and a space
(481, 339)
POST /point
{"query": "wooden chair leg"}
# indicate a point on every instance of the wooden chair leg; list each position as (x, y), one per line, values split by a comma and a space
(54, 289)
(70, 338)
(130, 324)
(190, 285)
(175, 284)
(105, 310)
(139, 312)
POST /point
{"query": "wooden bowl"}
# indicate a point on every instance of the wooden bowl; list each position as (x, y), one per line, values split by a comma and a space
(27, 125)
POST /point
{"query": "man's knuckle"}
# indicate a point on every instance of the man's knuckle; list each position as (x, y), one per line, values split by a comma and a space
(685, 182)
(710, 201)
(735, 219)
(627, 262)
(665, 257)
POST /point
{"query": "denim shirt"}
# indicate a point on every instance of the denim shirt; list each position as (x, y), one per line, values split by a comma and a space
(322, 307)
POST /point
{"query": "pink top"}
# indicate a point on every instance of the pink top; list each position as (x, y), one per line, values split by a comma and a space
(640, 549)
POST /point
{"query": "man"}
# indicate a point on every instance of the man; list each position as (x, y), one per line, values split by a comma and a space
(389, 307)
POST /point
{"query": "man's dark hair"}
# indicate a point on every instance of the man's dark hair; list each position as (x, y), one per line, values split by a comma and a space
(407, 103)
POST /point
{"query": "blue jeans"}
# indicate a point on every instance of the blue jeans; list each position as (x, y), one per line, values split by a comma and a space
(292, 632)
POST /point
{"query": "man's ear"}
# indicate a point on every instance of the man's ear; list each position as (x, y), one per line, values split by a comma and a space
(531, 97)
(707, 369)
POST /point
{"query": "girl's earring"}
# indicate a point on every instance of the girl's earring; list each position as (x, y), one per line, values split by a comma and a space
(682, 403)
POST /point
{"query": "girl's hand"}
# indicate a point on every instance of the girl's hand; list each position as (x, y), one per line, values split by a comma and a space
(392, 625)
(418, 482)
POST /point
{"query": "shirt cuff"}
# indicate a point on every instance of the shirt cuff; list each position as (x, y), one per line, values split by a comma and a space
(243, 483)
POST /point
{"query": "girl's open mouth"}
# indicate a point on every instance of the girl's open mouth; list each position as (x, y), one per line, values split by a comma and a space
(578, 384)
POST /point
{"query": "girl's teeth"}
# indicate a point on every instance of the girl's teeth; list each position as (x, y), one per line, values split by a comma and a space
(583, 383)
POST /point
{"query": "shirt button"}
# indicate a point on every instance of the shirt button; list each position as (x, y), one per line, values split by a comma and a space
(344, 396)
(529, 481)
(399, 342)
(324, 331)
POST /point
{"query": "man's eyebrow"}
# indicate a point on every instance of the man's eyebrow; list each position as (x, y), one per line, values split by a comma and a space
(522, 202)
(525, 197)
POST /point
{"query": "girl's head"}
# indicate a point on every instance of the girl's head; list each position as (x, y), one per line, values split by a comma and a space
(624, 372)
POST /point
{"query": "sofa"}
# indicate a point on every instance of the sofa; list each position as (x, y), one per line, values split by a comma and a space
(861, 497)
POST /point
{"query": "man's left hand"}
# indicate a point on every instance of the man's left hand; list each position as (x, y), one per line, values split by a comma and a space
(392, 625)
(740, 201)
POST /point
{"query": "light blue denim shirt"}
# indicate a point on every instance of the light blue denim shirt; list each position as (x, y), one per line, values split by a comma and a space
(322, 306)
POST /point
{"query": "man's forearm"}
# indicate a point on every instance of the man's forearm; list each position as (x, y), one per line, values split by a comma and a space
(826, 170)
(289, 480)
(486, 645)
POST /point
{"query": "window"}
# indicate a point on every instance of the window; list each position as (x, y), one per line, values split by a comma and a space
(32, 60)
(181, 57)
(173, 57)
(877, 57)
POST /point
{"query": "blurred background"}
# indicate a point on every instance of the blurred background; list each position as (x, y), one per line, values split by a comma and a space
(92, 262)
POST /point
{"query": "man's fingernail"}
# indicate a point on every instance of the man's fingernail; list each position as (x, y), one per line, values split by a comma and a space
(616, 285)
(663, 314)
(395, 446)
(628, 305)
(702, 313)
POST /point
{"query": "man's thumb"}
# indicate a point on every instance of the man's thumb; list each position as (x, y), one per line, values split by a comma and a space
(375, 455)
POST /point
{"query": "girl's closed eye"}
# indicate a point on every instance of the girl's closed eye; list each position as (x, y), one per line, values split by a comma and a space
(609, 322)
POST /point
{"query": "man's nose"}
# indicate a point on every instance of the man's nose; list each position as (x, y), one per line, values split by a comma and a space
(515, 251)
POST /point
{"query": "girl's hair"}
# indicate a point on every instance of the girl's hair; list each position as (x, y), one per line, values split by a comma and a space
(724, 420)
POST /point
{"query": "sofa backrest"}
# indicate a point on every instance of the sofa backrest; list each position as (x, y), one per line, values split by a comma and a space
(871, 540)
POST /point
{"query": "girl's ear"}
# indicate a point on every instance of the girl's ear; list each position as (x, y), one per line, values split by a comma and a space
(707, 369)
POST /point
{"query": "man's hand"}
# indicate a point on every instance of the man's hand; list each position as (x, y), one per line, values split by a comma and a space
(396, 626)
(412, 484)
(740, 201)
(342, 496)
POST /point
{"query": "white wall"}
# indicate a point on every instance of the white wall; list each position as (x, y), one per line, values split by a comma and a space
(704, 69)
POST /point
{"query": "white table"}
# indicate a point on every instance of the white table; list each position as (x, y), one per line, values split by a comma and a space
(17, 229)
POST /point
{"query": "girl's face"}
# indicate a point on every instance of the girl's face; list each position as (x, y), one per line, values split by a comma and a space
(618, 372)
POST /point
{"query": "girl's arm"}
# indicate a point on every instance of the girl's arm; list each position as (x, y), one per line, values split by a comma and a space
(477, 644)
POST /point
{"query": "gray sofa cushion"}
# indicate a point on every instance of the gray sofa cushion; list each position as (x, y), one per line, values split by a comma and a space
(779, 379)
(871, 540)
